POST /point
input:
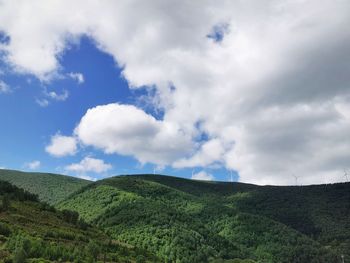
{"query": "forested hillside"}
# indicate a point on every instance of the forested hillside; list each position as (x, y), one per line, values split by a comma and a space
(31, 231)
(50, 188)
(175, 219)
(191, 221)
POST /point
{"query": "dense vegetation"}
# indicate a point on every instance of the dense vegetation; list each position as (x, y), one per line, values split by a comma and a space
(189, 221)
(50, 188)
(31, 231)
(175, 219)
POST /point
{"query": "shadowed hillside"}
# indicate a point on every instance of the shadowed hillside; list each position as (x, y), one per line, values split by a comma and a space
(34, 231)
(50, 188)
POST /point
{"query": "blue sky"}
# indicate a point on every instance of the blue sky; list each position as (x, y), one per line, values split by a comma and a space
(27, 127)
(194, 89)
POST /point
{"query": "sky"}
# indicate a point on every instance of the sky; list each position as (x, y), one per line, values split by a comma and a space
(250, 91)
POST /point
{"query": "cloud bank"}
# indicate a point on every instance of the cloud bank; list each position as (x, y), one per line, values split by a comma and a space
(267, 94)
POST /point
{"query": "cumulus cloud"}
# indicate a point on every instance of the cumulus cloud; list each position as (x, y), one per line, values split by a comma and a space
(62, 146)
(79, 77)
(127, 130)
(203, 176)
(38, 52)
(210, 152)
(89, 164)
(33, 165)
(4, 88)
(269, 95)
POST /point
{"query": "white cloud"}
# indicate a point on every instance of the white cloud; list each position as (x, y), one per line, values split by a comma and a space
(267, 94)
(62, 146)
(4, 88)
(33, 165)
(51, 95)
(87, 177)
(42, 102)
(204, 176)
(38, 52)
(210, 152)
(127, 130)
(79, 77)
(89, 164)
(59, 97)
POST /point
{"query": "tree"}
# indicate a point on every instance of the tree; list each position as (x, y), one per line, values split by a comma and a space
(140, 259)
(82, 224)
(70, 216)
(5, 202)
(20, 256)
(93, 249)
(4, 230)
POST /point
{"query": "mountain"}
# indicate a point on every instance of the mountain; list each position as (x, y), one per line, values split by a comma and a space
(179, 220)
(182, 220)
(51, 188)
(39, 233)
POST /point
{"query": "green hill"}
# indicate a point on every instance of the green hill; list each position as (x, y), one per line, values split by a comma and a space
(50, 188)
(31, 231)
(183, 220)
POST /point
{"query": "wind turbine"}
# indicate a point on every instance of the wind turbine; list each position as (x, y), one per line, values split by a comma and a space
(231, 176)
(296, 178)
(346, 175)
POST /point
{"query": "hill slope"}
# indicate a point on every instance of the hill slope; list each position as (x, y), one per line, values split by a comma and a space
(51, 188)
(32, 230)
(190, 221)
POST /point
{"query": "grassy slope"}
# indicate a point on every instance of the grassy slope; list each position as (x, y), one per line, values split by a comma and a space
(193, 221)
(50, 188)
(51, 236)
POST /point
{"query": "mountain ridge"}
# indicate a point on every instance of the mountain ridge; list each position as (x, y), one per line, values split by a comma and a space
(136, 208)
(221, 221)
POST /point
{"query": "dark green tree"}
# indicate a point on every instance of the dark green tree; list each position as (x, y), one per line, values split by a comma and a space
(70, 216)
(93, 249)
(20, 256)
(6, 203)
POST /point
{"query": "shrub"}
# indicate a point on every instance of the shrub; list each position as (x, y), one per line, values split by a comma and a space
(4, 230)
